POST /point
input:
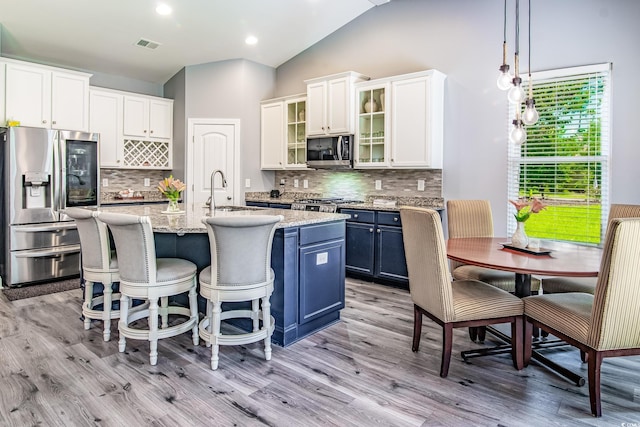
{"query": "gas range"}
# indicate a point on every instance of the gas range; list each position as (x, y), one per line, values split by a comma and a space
(328, 205)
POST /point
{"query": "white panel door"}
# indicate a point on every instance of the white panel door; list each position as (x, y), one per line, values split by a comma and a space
(214, 147)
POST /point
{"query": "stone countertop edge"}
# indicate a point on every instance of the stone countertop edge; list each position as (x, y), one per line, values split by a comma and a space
(190, 221)
(436, 203)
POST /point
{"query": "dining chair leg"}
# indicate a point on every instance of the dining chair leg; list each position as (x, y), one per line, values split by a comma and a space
(482, 333)
(447, 343)
(517, 330)
(527, 343)
(594, 363)
(584, 356)
(107, 296)
(417, 328)
(473, 333)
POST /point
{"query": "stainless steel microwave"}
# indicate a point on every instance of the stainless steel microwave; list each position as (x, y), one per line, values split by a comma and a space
(330, 152)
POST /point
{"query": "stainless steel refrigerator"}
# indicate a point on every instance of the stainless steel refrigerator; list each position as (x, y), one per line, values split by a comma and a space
(43, 172)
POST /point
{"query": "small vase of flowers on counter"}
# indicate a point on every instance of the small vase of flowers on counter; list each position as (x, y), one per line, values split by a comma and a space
(171, 188)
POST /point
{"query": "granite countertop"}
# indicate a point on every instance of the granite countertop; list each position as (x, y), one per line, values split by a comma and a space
(191, 220)
(114, 198)
(436, 203)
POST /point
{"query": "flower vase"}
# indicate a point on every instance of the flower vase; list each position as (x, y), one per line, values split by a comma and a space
(519, 238)
(173, 206)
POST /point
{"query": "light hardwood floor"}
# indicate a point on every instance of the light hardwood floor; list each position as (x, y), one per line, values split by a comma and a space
(359, 372)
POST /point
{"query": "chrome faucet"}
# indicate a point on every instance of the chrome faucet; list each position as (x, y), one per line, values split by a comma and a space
(212, 201)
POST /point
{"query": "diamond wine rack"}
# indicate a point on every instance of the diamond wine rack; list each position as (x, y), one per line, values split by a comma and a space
(146, 153)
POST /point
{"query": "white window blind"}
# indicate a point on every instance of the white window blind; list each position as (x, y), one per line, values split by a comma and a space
(565, 159)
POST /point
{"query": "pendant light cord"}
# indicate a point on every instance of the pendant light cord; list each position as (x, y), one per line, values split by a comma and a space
(530, 82)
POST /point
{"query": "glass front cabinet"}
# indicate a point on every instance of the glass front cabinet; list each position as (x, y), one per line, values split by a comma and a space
(372, 126)
(296, 138)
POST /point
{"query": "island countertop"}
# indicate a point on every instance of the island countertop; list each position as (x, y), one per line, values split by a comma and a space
(190, 221)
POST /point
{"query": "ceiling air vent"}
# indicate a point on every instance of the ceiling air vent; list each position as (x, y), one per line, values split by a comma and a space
(147, 44)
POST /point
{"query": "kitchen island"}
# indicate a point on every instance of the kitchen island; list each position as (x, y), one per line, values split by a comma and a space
(308, 258)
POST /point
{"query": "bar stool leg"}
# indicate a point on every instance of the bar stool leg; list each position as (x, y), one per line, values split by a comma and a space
(193, 306)
(215, 347)
(88, 297)
(266, 324)
(123, 323)
(107, 296)
(153, 331)
(209, 316)
(164, 312)
(255, 315)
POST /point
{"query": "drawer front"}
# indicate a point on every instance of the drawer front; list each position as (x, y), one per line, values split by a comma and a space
(43, 235)
(389, 218)
(321, 233)
(44, 264)
(358, 215)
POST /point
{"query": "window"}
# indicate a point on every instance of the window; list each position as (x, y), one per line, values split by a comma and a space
(565, 159)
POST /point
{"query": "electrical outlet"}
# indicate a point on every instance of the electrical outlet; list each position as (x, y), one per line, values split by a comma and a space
(421, 185)
(147, 182)
(378, 184)
(305, 183)
(247, 183)
(105, 182)
(295, 183)
(283, 181)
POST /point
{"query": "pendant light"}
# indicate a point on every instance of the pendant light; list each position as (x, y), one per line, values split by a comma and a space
(505, 78)
(518, 134)
(530, 115)
(516, 93)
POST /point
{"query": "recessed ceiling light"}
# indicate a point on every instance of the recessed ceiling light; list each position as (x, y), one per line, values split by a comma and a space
(251, 40)
(163, 9)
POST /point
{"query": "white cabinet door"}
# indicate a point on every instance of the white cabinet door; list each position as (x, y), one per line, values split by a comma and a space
(28, 95)
(136, 116)
(339, 111)
(417, 121)
(69, 101)
(272, 140)
(160, 119)
(105, 118)
(316, 114)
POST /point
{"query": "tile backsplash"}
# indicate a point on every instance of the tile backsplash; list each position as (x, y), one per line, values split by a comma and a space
(356, 184)
(124, 179)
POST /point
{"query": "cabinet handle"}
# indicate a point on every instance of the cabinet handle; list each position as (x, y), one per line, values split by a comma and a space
(395, 219)
(151, 131)
(355, 215)
(117, 161)
(44, 122)
(378, 230)
(371, 230)
(54, 122)
(144, 131)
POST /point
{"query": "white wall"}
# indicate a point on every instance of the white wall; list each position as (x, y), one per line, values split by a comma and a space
(463, 39)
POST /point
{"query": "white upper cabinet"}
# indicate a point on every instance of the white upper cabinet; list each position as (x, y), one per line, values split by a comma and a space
(272, 135)
(47, 97)
(2, 97)
(400, 121)
(105, 118)
(330, 104)
(283, 143)
(148, 118)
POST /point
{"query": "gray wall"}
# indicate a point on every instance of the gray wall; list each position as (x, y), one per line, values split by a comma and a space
(230, 89)
(463, 39)
(175, 89)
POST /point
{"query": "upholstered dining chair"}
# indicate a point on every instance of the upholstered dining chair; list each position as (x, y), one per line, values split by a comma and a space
(605, 324)
(451, 304)
(99, 265)
(143, 276)
(554, 285)
(473, 218)
(240, 271)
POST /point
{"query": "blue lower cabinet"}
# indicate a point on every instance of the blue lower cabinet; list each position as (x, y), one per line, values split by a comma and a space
(375, 248)
(257, 204)
(269, 205)
(280, 205)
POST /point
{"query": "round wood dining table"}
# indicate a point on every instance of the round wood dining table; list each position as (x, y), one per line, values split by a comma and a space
(562, 259)
(551, 259)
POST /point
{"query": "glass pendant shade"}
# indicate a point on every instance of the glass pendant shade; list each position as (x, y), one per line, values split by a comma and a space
(505, 78)
(530, 115)
(518, 135)
(516, 93)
